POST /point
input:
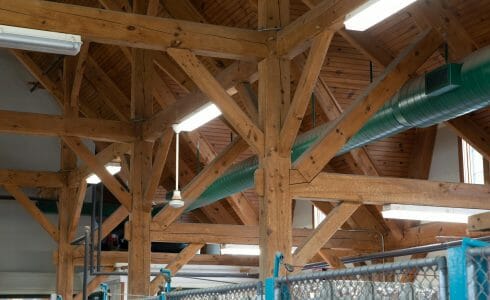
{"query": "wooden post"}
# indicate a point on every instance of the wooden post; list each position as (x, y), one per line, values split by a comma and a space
(272, 178)
(65, 270)
(141, 165)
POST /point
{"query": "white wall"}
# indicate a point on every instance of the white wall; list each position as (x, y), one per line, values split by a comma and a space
(26, 251)
(445, 160)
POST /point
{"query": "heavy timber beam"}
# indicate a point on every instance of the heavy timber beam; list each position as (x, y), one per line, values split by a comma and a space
(327, 15)
(387, 190)
(139, 249)
(383, 88)
(306, 84)
(437, 14)
(235, 116)
(51, 125)
(275, 209)
(32, 178)
(249, 235)
(229, 77)
(131, 30)
(109, 258)
(426, 234)
(182, 259)
(315, 241)
(116, 188)
(110, 153)
(33, 210)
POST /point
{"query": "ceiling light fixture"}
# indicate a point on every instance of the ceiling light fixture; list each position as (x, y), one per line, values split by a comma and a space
(373, 12)
(112, 167)
(428, 213)
(198, 118)
(39, 40)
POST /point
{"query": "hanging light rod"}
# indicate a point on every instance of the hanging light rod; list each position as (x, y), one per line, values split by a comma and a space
(428, 213)
(39, 40)
(373, 12)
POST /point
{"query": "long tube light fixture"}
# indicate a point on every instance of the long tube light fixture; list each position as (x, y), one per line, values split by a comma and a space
(39, 40)
(373, 12)
(198, 118)
(428, 213)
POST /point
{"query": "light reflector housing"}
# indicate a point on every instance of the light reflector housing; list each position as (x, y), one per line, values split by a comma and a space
(198, 118)
(373, 12)
(112, 168)
(428, 213)
(39, 40)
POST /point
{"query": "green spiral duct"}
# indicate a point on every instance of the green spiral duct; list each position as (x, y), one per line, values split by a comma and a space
(443, 94)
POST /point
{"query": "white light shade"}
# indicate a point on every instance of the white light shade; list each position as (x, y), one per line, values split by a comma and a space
(112, 168)
(39, 40)
(428, 213)
(176, 201)
(373, 12)
(198, 118)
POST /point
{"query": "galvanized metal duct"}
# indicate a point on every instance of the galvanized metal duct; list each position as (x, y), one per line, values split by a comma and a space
(443, 94)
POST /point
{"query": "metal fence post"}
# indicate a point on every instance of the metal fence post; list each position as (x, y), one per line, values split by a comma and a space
(105, 291)
(458, 287)
(442, 270)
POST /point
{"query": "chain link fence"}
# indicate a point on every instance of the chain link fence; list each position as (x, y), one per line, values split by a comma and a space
(414, 279)
(249, 291)
(478, 276)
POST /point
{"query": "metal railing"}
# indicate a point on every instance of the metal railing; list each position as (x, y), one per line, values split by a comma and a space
(248, 291)
(414, 279)
(477, 273)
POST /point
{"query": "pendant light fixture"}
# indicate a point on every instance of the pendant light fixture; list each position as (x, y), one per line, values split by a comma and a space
(176, 200)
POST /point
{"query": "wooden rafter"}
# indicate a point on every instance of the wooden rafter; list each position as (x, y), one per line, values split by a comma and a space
(33, 210)
(158, 164)
(212, 88)
(229, 77)
(306, 84)
(382, 89)
(108, 154)
(182, 259)
(437, 15)
(313, 243)
(295, 37)
(98, 168)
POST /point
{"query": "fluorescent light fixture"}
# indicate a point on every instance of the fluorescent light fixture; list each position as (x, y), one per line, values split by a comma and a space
(198, 118)
(239, 249)
(428, 213)
(373, 12)
(112, 168)
(235, 249)
(39, 40)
